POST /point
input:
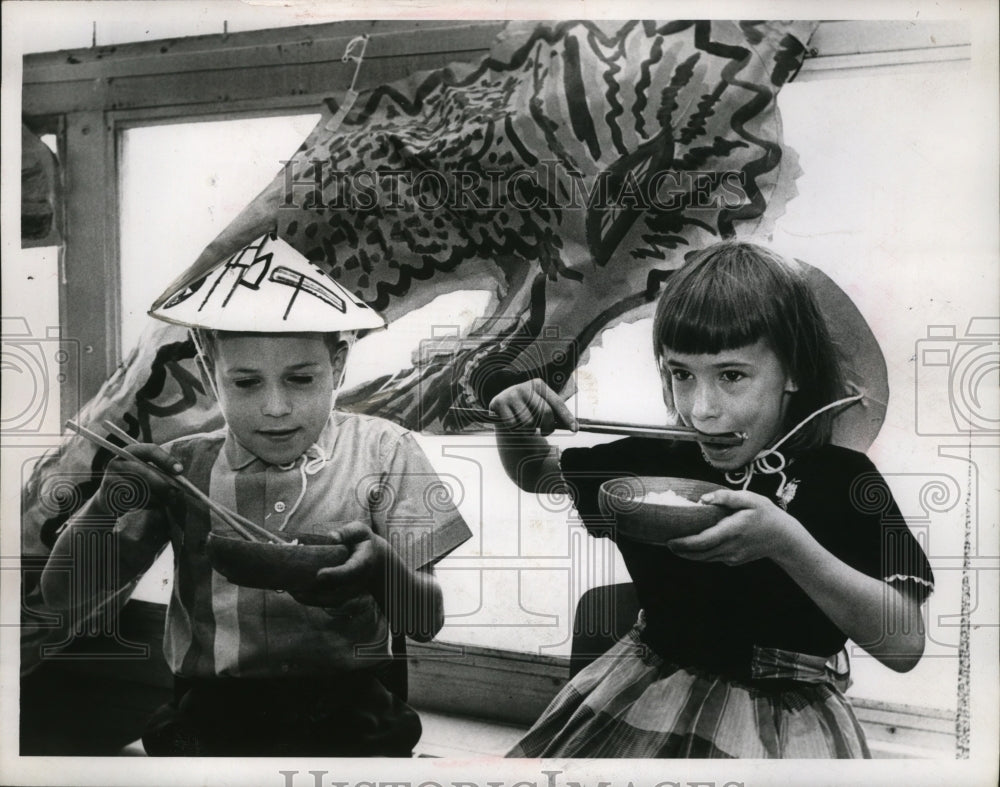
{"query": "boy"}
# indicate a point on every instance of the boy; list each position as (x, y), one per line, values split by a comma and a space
(261, 672)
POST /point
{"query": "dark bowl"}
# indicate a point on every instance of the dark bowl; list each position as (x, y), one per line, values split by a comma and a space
(274, 566)
(657, 523)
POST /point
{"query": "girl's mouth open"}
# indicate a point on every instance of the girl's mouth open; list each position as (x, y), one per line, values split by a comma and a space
(720, 440)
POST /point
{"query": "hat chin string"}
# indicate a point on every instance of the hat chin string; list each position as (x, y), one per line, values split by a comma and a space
(771, 460)
(315, 458)
(310, 463)
(200, 359)
(349, 340)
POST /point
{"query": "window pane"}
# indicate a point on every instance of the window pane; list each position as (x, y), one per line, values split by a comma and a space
(181, 185)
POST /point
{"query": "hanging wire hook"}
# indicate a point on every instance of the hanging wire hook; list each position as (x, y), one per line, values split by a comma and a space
(361, 41)
(350, 95)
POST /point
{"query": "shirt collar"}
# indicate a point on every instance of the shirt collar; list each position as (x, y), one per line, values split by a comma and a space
(238, 457)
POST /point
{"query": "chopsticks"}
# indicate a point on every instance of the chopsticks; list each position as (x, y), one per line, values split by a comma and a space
(231, 518)
(664, 432)
(621, 428)
(245, 527)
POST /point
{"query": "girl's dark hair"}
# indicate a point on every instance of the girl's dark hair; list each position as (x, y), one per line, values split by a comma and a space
(733, 294)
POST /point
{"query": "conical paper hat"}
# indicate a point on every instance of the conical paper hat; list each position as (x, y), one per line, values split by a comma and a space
(861, 358)
(266, 287)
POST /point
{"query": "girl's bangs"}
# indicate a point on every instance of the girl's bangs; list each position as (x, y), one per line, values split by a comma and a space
(709, 319)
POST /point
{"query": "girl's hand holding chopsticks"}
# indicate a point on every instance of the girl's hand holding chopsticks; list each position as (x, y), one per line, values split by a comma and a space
(529, 406)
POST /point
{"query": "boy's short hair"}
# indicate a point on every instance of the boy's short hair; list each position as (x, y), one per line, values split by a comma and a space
(206, 342)
(733, 294)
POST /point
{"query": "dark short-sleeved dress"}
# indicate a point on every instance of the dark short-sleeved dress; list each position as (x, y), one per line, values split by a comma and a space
(728, 661)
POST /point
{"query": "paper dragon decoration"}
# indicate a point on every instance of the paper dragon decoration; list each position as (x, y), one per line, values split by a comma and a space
(568, 172)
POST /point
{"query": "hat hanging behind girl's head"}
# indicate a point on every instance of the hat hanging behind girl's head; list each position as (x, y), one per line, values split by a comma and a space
(733, 294)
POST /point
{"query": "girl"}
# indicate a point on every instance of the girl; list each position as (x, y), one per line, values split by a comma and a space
(739, 649)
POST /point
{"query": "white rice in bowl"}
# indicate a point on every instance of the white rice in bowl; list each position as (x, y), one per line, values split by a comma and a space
(668, 498)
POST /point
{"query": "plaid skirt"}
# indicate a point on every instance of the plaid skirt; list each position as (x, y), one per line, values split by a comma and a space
(632, 703)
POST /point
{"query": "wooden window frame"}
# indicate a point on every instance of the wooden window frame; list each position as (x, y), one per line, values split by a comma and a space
(90, 96)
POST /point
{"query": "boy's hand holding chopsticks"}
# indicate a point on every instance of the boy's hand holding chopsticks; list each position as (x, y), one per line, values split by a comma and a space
(166, 470)
(129, 485)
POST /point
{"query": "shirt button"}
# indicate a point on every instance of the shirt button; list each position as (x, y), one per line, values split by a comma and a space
(279, 506)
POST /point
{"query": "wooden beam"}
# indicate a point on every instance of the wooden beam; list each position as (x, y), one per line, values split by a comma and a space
(213, 69)
(898, 730)
(287, 62)
(89, 299)
(503, 686)
(836, 38)
(260, 84)
(899, 61)
(322, 44)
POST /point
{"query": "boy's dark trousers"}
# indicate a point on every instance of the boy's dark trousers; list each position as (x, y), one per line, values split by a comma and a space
(351, 715)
